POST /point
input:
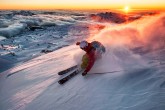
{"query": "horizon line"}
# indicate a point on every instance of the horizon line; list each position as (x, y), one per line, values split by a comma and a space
(134, 9)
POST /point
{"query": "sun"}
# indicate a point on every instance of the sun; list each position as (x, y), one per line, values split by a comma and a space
(126, 9)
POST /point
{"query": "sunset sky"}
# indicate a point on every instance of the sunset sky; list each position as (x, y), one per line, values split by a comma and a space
(81, 4)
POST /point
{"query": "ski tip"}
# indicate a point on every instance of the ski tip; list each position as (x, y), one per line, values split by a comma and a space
(59, 73)
(67, 70)
(62, 72)
(59, 82)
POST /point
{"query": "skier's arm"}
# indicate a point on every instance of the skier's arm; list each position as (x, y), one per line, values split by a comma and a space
(91, 61)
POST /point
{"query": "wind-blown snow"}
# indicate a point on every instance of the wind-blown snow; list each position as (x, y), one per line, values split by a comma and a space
(130, 75)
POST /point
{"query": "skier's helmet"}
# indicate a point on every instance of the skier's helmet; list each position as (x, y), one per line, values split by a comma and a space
(83, 44)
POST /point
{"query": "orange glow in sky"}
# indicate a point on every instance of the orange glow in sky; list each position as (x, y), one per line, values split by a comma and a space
(81, 4)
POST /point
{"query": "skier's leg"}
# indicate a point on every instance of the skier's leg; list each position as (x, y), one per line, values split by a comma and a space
(85, 61)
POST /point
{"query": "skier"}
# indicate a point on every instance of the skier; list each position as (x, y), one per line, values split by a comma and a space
(94, 51)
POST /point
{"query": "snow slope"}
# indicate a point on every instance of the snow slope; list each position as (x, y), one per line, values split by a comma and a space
(130, 76)
(135, 85)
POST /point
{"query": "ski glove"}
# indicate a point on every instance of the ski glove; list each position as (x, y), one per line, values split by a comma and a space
(84, 73)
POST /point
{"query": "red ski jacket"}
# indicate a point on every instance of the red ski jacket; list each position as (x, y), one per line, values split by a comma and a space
(90, 51)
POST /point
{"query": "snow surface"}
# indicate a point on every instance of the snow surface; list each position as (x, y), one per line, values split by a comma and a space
(130, 75)
(33, 85)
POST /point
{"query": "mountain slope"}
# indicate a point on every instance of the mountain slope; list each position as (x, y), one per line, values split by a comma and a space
(33, 85)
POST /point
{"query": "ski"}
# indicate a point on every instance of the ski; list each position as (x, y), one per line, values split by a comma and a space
(67, 70)
(67, 78)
